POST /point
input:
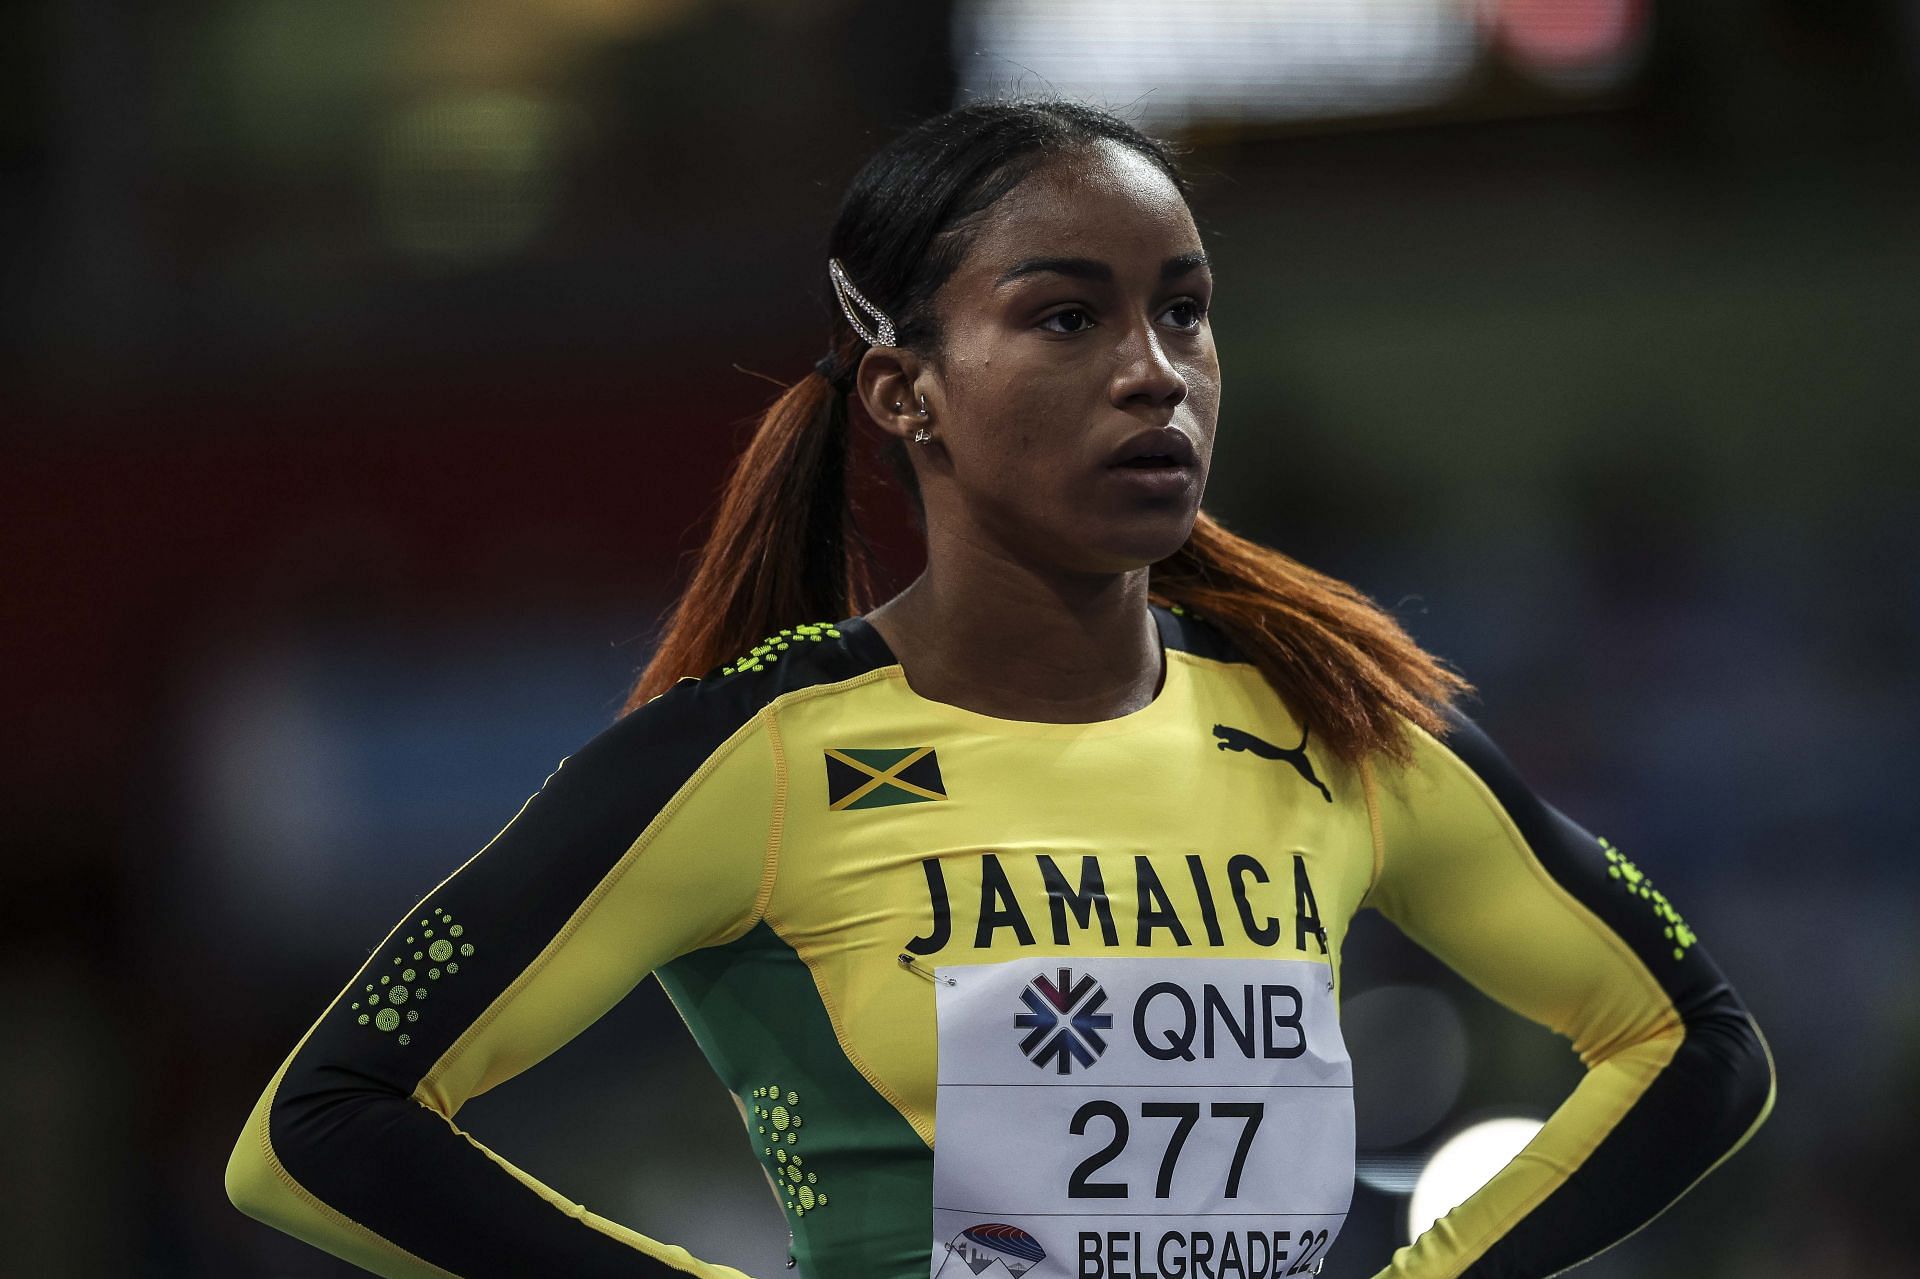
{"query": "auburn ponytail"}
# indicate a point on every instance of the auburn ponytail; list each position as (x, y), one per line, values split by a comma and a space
(782, 549)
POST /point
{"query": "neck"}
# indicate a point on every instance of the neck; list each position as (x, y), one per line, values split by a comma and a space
(1009, 644)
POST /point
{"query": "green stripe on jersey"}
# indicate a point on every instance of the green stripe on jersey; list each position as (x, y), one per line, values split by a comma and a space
(855, 1179)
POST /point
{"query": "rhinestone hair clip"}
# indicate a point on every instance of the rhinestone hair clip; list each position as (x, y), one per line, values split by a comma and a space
(843, 290)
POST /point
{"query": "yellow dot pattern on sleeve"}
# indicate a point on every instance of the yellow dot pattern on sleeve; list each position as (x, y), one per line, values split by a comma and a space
(1637, 883)
(777, 1121)
(769, 649)
(379, 1005)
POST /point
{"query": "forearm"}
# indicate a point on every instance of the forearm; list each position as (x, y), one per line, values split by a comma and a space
(383, 1182)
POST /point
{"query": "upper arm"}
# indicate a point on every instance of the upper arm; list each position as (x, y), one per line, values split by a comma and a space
(648, 842)
(1527, 905)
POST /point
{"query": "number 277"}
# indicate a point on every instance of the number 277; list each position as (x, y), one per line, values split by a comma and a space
(1185, 1115)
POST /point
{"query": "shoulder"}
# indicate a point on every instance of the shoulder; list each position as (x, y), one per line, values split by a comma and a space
(1459, 767)
(708, 709)
(666, 740)
(1186, 631)
(1463, 748)
(1460, 791)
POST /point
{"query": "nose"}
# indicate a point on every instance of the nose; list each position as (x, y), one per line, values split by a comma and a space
(1144, 375)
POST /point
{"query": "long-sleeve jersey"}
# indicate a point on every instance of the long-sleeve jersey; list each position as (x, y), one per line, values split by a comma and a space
(1105, 957)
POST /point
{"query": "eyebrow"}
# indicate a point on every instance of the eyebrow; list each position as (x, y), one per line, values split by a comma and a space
(1092, 269)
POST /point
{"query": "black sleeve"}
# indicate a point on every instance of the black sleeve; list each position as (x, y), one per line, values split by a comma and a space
(1564, 928)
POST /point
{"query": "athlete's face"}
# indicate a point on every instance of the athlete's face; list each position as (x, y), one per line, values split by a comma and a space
(1046, 372)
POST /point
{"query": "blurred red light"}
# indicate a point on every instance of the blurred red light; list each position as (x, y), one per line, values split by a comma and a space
(1559, 33)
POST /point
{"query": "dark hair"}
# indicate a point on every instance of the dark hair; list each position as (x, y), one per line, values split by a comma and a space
(785, 549)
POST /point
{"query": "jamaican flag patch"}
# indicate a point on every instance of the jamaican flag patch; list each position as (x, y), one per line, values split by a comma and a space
(870, 778)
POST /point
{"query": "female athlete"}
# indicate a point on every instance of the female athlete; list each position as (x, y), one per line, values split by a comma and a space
(1010, 909)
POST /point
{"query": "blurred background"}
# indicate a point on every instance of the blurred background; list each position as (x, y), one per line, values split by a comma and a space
(371, 369)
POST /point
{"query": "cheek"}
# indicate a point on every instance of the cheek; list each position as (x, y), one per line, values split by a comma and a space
(1016, 411)
(1050, 419)
(1203, 391)
(1203, 371)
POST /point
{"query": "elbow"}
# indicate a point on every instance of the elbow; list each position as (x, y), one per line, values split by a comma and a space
(249, 1183)
(1744, 1081)
(257, 1184)
(1758, 1082)
(252, 1185)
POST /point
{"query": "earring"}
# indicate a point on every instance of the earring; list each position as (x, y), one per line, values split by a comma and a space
(922, 435)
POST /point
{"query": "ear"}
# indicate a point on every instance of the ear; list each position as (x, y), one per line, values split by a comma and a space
(890, 376)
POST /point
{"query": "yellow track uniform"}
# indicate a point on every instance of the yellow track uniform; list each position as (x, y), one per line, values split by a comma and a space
(1106, 956)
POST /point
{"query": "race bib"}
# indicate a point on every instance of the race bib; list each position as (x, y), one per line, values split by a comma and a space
(1149, 1118)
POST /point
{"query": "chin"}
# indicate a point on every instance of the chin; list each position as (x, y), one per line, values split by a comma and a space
(1151, 537)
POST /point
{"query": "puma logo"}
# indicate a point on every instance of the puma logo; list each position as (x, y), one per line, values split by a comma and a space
(1235, 739)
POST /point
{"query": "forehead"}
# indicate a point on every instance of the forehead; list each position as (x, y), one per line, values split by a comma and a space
(1109, 202)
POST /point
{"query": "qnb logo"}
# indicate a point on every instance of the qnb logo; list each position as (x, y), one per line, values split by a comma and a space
(1063, 1021)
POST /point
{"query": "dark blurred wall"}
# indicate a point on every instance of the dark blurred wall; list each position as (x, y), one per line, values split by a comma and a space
(370, 371)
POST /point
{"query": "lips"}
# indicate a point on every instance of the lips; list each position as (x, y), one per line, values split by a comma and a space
(1161, 446)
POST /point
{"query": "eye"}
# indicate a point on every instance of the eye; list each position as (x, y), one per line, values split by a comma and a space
(1198, 311)
(1071, 311)
(1189, 304)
